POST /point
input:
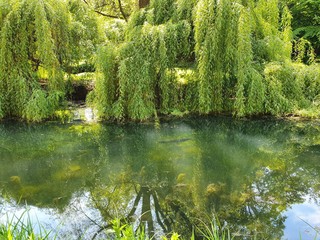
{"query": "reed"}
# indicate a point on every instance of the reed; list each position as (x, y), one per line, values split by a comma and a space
(23, 228)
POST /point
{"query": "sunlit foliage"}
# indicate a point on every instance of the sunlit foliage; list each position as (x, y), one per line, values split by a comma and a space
(144, 81)
(170, 57)
(39, 41)
(306, 21)
(120, 9)
(239, 53)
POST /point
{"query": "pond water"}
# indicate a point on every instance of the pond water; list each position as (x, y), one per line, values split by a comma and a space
(259, 177)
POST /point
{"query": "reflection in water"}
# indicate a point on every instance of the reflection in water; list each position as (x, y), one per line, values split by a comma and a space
(253, 175)
(299, 217)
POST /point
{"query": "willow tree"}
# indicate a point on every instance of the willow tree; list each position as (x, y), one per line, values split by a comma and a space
(85, 33)
(239, 53)
(118, 9)
(141, 79)
(29, 43)
(39, 40)
(237, 43)
(215, 36)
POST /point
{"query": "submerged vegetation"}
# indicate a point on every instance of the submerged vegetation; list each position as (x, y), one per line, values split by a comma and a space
(249, 174)
(144, 59)
(159, 57)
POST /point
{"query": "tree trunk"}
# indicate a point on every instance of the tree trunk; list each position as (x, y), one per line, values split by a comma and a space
(143, 3)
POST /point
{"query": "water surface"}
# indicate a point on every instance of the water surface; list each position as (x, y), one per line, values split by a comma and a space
(260, 177)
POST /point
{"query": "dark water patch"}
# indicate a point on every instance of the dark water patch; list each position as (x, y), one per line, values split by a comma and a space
(175, 140)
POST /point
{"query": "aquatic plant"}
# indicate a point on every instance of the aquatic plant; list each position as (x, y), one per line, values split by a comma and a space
(214, 231)
(23, 228)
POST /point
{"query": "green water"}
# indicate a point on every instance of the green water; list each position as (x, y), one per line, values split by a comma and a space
(260, 177)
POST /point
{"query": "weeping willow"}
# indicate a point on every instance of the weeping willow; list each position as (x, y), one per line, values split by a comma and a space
(139, 80)
(146, 84)
(216, 35)
(40, 39)
(243, 51)
(172, 57)
(30, 47)
(238, 53)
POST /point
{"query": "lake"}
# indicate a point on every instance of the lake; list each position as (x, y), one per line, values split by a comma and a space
(261, 178)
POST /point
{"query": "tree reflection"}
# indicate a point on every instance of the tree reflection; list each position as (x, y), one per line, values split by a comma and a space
(243, 174)
(178, 178)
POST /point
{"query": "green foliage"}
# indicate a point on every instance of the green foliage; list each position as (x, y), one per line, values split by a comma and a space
(256, 94)
(126, 231)
(113, 9)
(303, 51)
(286, 19)
(106, 84)
(214, 231)
(310, 77)
(84, 34)
(63, 116)
(306, 20)
(308, 32)
(241, 51)
(172, 56)
(271, 44)
(37, 107)
(22, 229)
(40, 39)
(115, 31)
(162, 10)
(227, 37)
(277, 103)
(41, 106)
(290, 87)
(25, 45)
(1, 112)
(45, 45)
(136, 79)
(184, 9)
(244, 62)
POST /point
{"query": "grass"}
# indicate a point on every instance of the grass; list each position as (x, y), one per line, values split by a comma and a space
(315, 229)
(22, 228)
(215, 231)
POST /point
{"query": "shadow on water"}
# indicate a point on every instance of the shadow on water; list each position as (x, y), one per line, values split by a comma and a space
(248, 174)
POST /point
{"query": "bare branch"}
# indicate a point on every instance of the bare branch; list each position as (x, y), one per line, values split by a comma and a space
(122, 12)
(85, 1)
(107, 15)
(96, 10)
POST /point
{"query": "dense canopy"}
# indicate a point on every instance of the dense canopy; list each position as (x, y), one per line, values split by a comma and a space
(164, 57)
(205, 57)
(40, 40)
